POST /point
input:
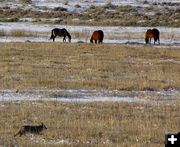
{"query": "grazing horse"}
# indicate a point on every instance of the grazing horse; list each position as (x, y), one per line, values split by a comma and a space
(154, 33)
(97, 36)
(60, 32)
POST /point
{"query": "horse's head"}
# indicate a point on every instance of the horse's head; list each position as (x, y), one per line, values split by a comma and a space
(69, 37)
(146, 40)
(70, 40)
(91, 40)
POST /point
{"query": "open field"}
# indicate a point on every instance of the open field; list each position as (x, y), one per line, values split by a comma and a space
(121, 93)
(87, 66)
(143, 122)
(89, 124)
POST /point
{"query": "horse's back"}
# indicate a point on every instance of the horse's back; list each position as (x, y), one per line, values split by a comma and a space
(155, 32)
(149, 33)
(55, 29)
(95, 35)
(59, 30)
(63, 30)
(98, 35)
(101, 33)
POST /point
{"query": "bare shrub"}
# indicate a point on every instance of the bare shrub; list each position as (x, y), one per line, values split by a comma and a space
(26, 1)
(2, 33)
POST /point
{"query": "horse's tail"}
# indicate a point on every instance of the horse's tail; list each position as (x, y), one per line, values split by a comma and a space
(18, 133)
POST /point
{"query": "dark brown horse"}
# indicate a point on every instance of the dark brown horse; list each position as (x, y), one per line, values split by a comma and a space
(154, 33)
(60, 32)
(97, 36)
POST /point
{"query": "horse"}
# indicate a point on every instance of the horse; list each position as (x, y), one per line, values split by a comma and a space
(60, 32)
(97, 36)
(152, 33)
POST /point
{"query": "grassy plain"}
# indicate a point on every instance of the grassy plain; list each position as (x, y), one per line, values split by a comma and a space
(19, 33)
(87, 66)
(89, 124)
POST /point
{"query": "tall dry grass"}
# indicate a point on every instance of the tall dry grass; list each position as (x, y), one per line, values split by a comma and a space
(87, 66)
(19, 33)
(2, 33)
(82, 35)
(89, 124)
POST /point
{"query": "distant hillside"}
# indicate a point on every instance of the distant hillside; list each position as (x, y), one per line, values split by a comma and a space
(94, 12)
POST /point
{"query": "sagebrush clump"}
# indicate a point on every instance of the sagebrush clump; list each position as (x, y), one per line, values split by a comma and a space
(26, 1)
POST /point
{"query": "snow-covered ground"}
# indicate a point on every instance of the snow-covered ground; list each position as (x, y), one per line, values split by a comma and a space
(65, 95)
(84, 4)
(91, 95)
(125, 35)
(128, 35)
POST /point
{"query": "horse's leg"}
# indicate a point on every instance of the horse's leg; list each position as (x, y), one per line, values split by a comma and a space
(158, 40)
(95, 41)
(54, 38)
(64, 39)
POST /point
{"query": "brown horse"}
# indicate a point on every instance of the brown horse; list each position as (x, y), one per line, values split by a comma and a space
(97, 37)
(154, 33)
(60, 32)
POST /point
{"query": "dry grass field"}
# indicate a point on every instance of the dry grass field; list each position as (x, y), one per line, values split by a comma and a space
(106, 15)
(89, 124)
(19, 33)
(87, 66)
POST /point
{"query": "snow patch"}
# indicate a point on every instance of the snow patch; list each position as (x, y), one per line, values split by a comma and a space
(65, 96)
(125, 35)
(89, 95)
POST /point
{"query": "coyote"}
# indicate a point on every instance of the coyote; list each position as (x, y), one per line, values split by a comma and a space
(30, 129)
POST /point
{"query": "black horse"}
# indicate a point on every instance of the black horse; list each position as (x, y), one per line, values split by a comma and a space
(60, 32)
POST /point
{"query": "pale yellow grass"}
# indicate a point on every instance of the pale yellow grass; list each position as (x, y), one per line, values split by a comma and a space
(20, 33)
(87, 66)
(89, 124)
